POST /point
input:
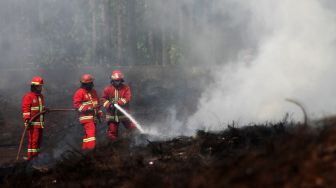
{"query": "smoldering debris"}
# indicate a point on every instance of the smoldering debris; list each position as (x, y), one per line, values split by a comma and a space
(276, 155)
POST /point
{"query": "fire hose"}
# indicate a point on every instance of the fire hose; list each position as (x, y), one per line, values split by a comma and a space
(32, 119)
(137, 125)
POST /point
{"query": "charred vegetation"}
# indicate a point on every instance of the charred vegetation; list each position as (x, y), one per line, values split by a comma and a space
(276, 155)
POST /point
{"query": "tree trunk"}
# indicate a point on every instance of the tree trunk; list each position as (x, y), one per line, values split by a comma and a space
(94, 32)
(131, 27)
(150, 39)
(150, 35)
(119, 33)
(106, 50)
(163, 45)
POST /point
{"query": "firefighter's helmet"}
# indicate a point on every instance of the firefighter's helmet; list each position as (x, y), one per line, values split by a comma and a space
(117, 75)
(86, 78)
(37, 80)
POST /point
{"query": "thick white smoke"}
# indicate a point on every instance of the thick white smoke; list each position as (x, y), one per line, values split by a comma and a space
(293, 58)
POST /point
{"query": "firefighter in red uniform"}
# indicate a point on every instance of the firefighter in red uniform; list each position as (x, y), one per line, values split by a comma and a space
(86, 103)
(33, 103)
(116, 93)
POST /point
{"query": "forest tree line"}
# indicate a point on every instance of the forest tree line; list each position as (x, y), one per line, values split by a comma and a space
(91, 32)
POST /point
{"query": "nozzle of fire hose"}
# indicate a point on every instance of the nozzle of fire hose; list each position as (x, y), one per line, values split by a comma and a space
(26, 123)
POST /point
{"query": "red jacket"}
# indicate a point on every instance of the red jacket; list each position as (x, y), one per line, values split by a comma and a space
(32, 104)
(87, 104)
(112, 95)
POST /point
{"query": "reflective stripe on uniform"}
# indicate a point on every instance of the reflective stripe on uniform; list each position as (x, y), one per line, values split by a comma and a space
(40, 104)
(81, 108)
(89, 139)
(26, 114)
(95, 103)
(41, 108)
(105, 103)
(90, 102)
(37, 123)
(33, 150)
(123, 100)
(36, 108)
(85, 117)
(112, 118)
(116, 97)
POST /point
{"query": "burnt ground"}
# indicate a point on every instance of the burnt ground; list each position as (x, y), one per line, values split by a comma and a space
(278, 155)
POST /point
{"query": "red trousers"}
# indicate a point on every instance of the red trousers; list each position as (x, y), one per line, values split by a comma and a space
(112, 131)
(34, 141)
(89, 139)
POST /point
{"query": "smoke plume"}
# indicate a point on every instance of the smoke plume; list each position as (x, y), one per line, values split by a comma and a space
(293, 57)
(255, 55)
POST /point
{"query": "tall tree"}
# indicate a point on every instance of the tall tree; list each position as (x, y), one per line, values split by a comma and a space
(93, 32)
(105, 37)
(163, 45)
(120, 44)
(131, 31)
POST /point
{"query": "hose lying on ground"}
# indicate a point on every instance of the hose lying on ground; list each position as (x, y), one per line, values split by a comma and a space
(32, 119)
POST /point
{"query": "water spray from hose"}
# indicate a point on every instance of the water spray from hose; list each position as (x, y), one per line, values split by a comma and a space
(130, 117)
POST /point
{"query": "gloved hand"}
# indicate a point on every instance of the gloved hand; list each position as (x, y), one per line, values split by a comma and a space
(89, 108)
(112, 106)
(26, 122)
(100, 119)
